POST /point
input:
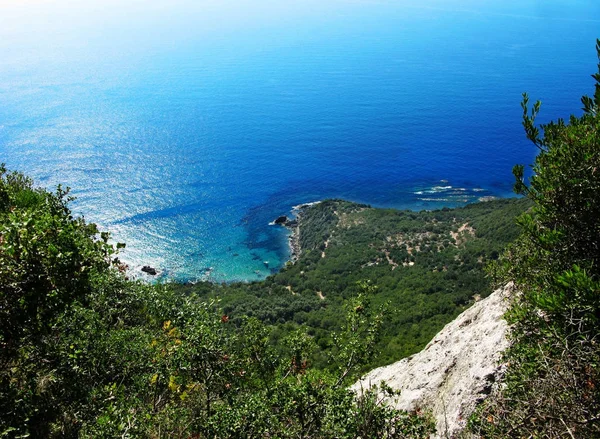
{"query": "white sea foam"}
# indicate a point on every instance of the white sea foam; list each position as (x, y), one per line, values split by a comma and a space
(305, 205)
(441, 188)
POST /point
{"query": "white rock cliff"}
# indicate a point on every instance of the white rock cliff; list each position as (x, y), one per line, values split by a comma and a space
(455, 370)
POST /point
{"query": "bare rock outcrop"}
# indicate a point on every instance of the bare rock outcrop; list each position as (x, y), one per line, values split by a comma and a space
(456, 369)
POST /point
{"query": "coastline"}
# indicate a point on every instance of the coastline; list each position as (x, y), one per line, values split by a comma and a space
(293, 225)
(294, 243)
(292, 222)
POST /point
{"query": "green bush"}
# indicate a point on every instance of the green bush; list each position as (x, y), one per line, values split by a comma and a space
(553, 376)
(87, 353)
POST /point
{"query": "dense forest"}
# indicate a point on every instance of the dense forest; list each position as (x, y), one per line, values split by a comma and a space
(425, 268)
(86, 352)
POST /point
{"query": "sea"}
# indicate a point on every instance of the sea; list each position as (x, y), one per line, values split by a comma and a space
(184, 127)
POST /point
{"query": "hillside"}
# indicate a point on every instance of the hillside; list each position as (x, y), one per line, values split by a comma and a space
(455, 371)
(88, 353)
(85, 352)
(427, 267)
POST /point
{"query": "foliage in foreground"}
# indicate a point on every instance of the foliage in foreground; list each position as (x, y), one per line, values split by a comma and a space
(84, 352)
(552, 385)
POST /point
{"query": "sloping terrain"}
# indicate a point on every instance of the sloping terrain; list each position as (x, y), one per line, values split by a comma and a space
(427, 268)
(456, 369)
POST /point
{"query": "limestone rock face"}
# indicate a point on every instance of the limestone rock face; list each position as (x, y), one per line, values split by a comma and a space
(455, 370)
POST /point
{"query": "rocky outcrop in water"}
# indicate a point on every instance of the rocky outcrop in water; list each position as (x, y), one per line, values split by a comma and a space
(280, 221)
(455, 371)
(285, 221)
(293, 224)
(150, 270)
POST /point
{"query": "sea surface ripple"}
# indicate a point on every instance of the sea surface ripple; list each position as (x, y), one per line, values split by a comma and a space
(185, 127)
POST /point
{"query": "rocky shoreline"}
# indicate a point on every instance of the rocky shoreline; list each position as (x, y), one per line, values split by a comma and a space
(293, 225)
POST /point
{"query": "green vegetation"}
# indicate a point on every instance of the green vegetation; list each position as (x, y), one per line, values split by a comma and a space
(553, 376)
(427, 267)
(85, 352)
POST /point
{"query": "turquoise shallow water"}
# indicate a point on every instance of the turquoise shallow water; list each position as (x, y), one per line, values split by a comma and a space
(185, 127)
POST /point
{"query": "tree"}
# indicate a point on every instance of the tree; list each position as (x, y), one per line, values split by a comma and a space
(553, 376)
(87, 353)
(47, 260)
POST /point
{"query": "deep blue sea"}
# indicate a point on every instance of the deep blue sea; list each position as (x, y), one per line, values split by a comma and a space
(185, 126)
